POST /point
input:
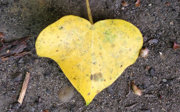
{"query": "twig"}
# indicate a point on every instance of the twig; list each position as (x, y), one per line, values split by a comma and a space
(24, 88)
(89, 11)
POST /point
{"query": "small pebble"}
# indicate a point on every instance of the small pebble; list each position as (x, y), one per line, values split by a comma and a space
(171, 23)
(153, 41)
(66, 94)
(150, 5)
(164, 80)
(122, 8)
(152, 71)
(144, 52)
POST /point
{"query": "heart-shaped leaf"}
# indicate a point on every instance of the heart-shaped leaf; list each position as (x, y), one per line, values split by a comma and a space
(92, 56)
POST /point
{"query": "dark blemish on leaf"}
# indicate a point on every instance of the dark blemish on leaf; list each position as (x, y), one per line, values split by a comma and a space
(112, 45)
(104, 80)
(78, 65)
(130, 49)
(96, 76)
(97, 91)
(100, 53)
(89, 93)
(57, 36)
(57, 50)
(110, 78)
(61, 27)
(121, 66)
(62, 59)
(74, 78)
(91, 28)
(94, 63)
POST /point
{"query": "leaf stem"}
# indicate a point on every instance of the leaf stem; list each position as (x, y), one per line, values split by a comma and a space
(89, 11)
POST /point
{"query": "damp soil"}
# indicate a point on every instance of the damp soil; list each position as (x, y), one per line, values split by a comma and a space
(157, 75)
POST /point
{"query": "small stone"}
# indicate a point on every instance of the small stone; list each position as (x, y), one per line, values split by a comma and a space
(171, 23)
(153, 41)
(144, 52)
(122, 8)
(152, 71)
(66, 94)
(164, 80)
(149, 5)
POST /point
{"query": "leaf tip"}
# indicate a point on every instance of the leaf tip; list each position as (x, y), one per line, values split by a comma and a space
(87, 103)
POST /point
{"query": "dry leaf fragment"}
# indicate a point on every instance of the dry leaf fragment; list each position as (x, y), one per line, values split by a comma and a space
(1, 35)
(176, 46)
(137, 3)
(124, 3)
(153, 41)
(135, 89)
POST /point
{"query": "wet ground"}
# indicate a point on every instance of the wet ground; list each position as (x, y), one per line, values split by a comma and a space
(158, 76)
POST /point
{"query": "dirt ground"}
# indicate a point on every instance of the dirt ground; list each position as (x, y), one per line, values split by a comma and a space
(157, 19)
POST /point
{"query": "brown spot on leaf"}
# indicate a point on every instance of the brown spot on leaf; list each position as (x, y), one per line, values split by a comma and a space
(94, 63)
(57, 50)
(89, 93)
(112, 45)
(100, 53)
(97, 91)
(96, 76)
(61, 27)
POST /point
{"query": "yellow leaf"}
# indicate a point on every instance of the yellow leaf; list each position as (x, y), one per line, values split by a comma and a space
(92, 56)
